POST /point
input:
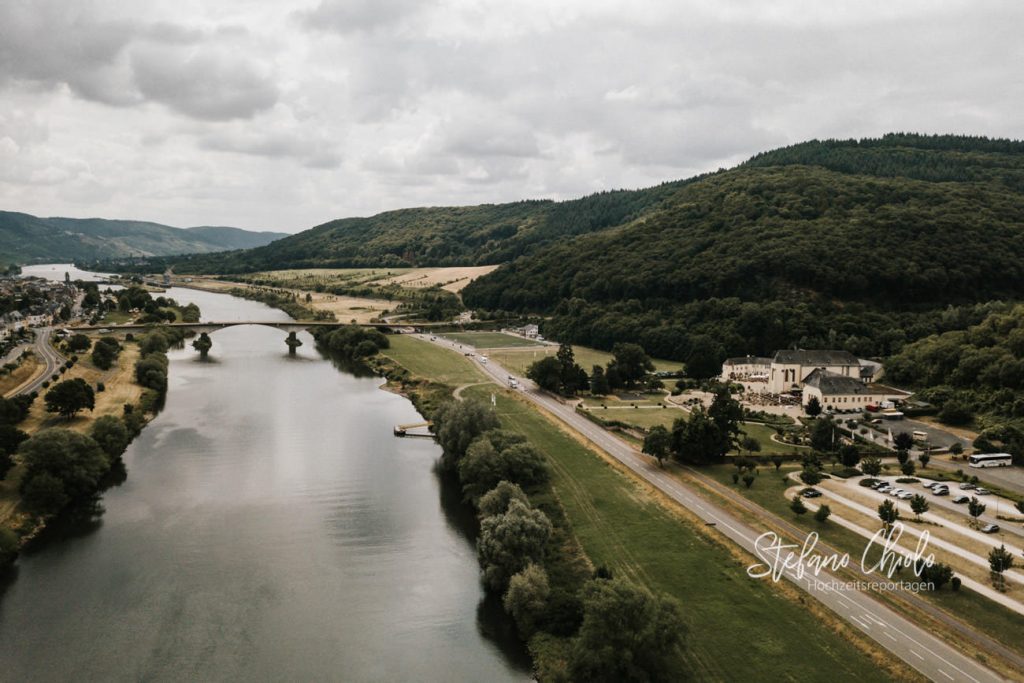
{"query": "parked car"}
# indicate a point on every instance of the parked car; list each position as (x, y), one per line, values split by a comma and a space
(990, 528)
(931, 484)
(982, 492)
(884, 489)
(878, 484)
(940, 491)
(959, 500)
(906, 495)
(967, 486)
(810, 493)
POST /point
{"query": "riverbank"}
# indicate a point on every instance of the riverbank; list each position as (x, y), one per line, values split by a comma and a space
(116, 394)
(625, 526)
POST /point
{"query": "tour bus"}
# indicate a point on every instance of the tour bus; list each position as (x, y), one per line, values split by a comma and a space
(991, 460)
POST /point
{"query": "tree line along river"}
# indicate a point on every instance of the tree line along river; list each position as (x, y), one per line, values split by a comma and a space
(270, 528)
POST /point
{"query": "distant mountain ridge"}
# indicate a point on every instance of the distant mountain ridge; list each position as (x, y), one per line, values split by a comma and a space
(25, 238)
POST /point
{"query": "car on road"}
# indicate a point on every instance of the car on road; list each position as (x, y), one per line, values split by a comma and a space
(811, 493)
(906, 495)
(960, 500)
(940, 491)
(982, 492)
(967, 486)
(990, 528)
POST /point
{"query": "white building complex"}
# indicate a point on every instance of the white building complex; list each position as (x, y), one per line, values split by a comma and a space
(838, 379)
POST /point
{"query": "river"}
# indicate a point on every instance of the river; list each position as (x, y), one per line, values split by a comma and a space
(271, 528)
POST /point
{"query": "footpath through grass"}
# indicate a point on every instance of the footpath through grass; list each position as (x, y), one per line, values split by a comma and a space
(739, 629)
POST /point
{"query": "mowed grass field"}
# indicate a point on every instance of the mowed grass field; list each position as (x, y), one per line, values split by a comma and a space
(490, 340)
(518, 360)
(427, 360)
(740, 629)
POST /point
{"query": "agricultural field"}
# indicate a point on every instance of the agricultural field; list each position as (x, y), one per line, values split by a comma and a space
(491, 340)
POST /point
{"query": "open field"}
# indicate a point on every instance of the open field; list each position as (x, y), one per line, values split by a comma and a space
(490, 340)
(517, 360)
(768, 490)
(25, 371)
(426, 360)
(623, 525)
(452, 279)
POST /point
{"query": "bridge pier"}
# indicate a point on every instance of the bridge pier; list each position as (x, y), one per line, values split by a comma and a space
(202, 344)
(293, 342)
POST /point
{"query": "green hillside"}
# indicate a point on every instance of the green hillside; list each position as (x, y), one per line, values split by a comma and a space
(439, 236)
(862, 245)
(25, 239)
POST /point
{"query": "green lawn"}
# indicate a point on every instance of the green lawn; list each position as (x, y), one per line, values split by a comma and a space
(427, 360)
(763, 434)
(518, 360)
(490, 340)
(739, 628)
(976, 610)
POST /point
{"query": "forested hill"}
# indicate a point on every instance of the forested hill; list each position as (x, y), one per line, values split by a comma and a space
(439, 236)
(25, 238)
(837, 243)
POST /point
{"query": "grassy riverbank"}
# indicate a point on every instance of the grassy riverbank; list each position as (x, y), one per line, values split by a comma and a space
(739, 629)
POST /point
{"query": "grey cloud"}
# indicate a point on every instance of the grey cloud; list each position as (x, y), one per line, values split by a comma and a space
(350, 16)
(310, 151)
(206, 83)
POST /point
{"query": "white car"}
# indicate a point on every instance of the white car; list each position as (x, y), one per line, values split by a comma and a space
(906, 495)
(982, 492)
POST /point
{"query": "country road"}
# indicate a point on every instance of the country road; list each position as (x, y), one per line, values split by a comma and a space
(51, 359)
(912, 644)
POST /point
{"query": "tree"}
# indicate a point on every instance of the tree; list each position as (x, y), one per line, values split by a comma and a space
(999, 560)
(573, 377)
(957, 448)
(902, 456)
(919, 505)
(908, 468)
(903, 441)
(937, 575)
(823, 513)
(810, 475)
(527, 597)
(750, 444)
(849, 455)
(748, 479)
(658, 443)
(632, 362)
(924, 458)
(705, 358)
(79, 342)
(495, 501)
(111, 434)
(154, 342)
(871, 466)
(599, 382)
(69, 397)
(75, 460)
(483, 467)
(955, 413)
(797, 506)
(510, 541)
(627, 634)
(44, 494)
(698, 439)
(458, 423)
(105, 352)
(823, 437)
(975, 508)
(1020, 506)
(888, 513)
(547, 373)
(727, 414)
(813, 407)
(777, 461)
(151, 372)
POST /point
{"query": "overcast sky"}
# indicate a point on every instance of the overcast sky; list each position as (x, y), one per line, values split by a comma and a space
(281, 115)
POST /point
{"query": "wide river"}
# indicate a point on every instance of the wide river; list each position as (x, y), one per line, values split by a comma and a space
(271, 528)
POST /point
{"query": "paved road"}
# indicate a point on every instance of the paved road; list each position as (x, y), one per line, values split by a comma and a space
(915, 646)
(51, 362)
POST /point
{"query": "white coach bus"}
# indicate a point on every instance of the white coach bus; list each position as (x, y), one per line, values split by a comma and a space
(991, 460)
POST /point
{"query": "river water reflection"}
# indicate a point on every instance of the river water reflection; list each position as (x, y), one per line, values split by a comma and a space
(271, 528)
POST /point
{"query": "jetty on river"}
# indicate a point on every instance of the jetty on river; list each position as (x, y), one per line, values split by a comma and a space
(403, 430)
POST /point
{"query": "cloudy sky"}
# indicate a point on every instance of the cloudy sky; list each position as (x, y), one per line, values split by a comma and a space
(281, 115)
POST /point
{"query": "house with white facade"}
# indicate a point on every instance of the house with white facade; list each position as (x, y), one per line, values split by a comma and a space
(790, 367)
(843, 393)
(746, 368)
